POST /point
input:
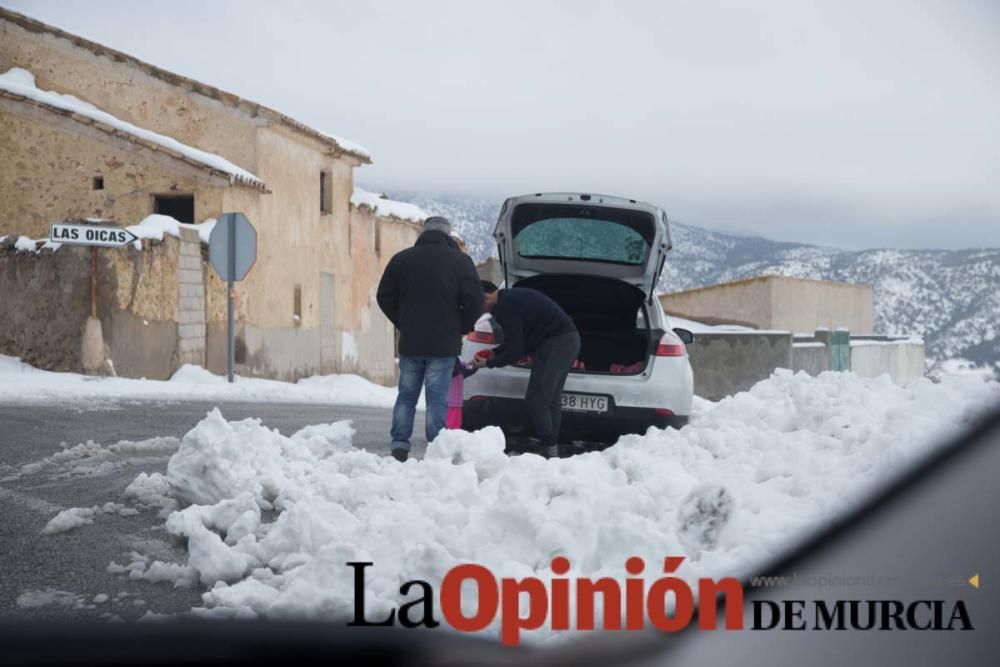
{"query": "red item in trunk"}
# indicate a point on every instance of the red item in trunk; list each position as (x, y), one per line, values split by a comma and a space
(622, 369)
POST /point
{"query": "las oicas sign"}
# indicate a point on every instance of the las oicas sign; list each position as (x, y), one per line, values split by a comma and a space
(92, 235)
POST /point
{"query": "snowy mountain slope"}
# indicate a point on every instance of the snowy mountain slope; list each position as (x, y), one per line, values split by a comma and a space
(950, 297)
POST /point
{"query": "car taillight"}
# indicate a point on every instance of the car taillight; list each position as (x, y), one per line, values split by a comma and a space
(484, 337)
(664, 411)
(670, 346)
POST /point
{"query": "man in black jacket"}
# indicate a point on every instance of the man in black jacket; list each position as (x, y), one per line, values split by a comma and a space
(431, 293)
(533, 324)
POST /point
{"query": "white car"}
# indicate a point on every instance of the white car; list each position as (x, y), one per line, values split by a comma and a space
(599, 257)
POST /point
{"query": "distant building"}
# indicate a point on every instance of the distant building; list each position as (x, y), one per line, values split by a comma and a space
(135, 140)
(778, 302)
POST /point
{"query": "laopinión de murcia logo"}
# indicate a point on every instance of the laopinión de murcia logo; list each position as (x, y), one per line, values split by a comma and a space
(634, 604)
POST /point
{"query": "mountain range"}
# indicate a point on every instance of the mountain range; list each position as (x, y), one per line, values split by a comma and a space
(951, 298)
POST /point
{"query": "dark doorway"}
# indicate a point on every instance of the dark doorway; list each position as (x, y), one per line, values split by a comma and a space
(178, 207)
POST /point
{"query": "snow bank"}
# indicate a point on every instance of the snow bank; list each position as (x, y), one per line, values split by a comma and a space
(748, 474)
(387, 207)
(22, 82)
(23, 384)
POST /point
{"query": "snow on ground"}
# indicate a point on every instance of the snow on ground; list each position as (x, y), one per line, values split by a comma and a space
(22, 82)
(22, 383)
(271, 519)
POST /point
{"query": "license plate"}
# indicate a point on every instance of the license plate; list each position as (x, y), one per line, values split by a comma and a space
(584, 402)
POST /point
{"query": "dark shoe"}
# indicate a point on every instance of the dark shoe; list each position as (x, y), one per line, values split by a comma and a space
(400, 454)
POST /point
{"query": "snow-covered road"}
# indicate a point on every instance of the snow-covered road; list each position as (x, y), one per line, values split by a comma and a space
(271, 519)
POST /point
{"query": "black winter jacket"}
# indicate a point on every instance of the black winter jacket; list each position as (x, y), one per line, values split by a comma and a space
(431, 293)
(527, 317)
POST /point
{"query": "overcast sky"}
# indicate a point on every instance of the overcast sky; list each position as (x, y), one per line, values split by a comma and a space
(856, 124)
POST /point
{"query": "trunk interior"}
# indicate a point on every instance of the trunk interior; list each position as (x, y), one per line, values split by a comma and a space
(614, 332)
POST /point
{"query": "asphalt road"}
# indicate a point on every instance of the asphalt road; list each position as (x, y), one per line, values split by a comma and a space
(60, 574)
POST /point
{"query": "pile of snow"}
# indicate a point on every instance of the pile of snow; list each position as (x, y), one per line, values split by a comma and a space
(746, 476)
(22, 82)
(75, 517)
(22, 383)
(387, 207)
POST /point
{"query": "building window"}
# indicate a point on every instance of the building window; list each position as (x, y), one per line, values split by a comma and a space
(97, 183)
(297, 305)
(325, 192)
(178, 207)
(378, 238)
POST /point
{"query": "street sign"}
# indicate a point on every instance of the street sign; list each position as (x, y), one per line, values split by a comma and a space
(232, 246)
(232, 250)
(92, 235)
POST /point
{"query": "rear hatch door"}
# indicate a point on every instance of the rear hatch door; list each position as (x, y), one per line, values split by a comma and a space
(598, 236)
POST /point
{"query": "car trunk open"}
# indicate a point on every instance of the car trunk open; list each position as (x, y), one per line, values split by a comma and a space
(610, 316)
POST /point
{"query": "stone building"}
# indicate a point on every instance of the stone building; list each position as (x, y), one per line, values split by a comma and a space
(778, 302)
(89, 132)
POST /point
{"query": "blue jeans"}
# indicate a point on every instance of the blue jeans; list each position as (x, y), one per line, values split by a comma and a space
(433, 373)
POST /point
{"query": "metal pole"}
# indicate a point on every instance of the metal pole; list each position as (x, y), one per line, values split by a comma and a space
(231, 261)
(93, 283)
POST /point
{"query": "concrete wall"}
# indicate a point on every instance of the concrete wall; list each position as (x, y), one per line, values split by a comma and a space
(811, 358)
(191, 323)
(903, 361)
(747, 302)
(778, 303)
(805, 305)
(727, 363)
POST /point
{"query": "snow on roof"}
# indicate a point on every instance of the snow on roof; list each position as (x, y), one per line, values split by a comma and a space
(349, 146)
(388, 207)
(22, 82)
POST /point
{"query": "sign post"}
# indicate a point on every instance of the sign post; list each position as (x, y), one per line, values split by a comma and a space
(232, 250)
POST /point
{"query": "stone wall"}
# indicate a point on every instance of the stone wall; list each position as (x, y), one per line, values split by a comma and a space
(46, 298)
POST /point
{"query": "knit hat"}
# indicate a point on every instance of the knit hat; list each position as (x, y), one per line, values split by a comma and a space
(438, 224)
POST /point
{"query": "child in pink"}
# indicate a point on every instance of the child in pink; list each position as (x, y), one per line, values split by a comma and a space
(458, 375)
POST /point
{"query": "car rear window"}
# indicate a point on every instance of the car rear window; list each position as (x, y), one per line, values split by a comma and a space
(591, 233)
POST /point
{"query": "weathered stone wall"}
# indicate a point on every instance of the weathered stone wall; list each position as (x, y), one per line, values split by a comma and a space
(47, 298)
(44, 301)
(48, 163)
